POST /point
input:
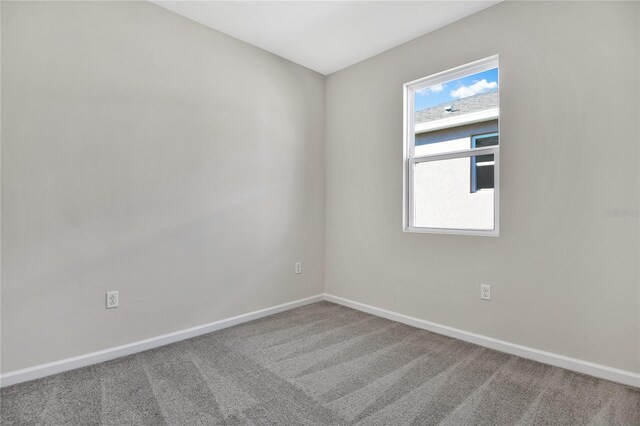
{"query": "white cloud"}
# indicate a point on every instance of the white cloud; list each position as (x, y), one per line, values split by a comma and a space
(477, 87)
(432, 89)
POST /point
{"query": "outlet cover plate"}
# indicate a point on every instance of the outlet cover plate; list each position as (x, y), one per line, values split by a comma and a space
(112, 299)
(485, 292)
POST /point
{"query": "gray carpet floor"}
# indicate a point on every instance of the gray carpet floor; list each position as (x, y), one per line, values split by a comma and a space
(321, 364)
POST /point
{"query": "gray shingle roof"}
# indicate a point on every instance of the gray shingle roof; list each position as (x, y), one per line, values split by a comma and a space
(475, 103)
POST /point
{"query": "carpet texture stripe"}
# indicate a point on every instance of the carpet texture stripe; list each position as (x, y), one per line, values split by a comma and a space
(322, 364)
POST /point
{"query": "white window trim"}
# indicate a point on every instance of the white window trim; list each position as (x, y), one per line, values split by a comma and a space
(409, 158)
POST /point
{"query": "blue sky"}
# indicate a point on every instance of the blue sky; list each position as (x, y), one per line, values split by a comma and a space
(456, 89)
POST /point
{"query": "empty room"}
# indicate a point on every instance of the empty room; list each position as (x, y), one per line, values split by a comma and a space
(320, 212)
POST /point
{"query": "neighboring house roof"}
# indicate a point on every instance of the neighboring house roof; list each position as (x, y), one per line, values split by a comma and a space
(480, 102)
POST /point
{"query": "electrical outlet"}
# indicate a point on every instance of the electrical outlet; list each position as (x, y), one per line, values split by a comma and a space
(485, 292)
(298, 268)
(112, 299)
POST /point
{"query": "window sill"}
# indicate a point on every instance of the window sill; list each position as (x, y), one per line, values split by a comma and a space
(473, 232)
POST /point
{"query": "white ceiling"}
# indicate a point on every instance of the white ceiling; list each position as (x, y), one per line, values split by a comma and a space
(325, 36)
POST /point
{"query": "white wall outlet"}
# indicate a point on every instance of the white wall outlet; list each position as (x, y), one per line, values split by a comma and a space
(112, 299)
(485, 292)
(298, 268)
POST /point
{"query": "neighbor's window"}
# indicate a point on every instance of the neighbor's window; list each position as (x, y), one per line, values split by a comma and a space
(482, 168)
(452, 151)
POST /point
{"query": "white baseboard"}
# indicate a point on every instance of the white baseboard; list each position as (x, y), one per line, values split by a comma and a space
(580, 366)
(55, 367)
(586, 367)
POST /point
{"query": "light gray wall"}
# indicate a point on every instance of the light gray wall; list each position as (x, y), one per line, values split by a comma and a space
(146, 153)
(565, 275)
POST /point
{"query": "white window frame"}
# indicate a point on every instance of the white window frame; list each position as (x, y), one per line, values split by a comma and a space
(410, 159)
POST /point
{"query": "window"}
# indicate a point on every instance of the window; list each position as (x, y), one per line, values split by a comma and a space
(482, 169)
(451, 165)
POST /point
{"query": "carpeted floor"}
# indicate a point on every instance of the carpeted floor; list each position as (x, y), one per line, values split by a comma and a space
(321, 364)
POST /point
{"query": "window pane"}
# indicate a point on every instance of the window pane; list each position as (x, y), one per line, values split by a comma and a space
(447, 115)
(456, 193)
(480, 141)
(482, 167)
